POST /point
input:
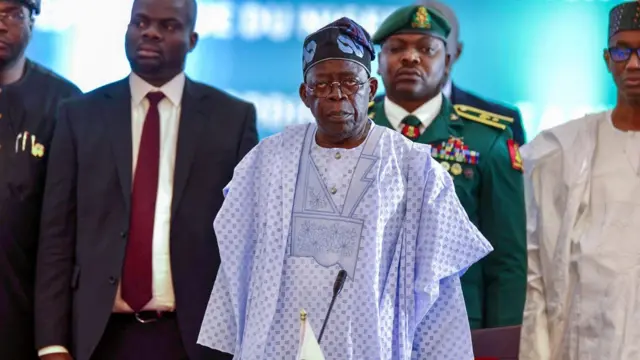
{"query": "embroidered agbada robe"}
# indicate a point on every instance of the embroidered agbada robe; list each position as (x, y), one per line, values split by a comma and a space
(295, 214)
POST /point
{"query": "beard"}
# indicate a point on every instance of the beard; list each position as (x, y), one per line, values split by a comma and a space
(14, 52)
(145, 67)
(10, 59)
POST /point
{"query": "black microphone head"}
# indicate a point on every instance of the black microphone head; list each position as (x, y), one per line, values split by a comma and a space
(340, 279)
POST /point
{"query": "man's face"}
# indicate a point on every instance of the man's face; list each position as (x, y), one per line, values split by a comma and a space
(340, 111)
(15, 31)
(413, 66)
(624, 65)
(159, 36)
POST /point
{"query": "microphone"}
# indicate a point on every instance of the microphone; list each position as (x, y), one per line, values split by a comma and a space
(337, 287)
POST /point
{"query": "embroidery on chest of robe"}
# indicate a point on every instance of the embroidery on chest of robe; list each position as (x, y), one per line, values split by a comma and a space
(320, 229)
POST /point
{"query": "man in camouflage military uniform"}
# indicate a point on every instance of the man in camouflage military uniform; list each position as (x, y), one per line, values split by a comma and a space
(476, 148)
(29, 95)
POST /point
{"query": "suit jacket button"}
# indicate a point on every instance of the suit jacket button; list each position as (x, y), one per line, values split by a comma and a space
(123, 234)
(112, 280)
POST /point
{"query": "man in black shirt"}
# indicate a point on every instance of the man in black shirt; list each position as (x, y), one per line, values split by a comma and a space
(29, 96)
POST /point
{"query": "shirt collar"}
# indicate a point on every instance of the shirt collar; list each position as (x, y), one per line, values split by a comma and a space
(172, 89)
(427, 112)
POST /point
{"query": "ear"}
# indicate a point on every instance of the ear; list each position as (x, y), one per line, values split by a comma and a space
(447, 65)
(459, 50)
(373, 88)
(193, 41)
(607, 59)
(304, 95)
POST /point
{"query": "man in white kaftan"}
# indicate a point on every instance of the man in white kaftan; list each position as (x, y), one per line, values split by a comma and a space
(297, 212)
(583, 221)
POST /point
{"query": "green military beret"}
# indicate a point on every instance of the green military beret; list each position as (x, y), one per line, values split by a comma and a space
(413, 19)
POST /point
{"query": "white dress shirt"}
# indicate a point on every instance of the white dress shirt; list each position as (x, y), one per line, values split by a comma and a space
(169, 108)
(427, 112)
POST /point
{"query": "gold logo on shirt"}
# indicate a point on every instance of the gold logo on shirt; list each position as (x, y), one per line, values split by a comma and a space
(27, 142)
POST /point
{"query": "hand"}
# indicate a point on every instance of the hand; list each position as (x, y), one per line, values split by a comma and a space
(56, 356)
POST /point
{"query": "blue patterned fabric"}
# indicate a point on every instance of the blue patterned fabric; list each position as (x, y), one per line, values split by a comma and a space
(385, 212)
(342, 39)
(355, 32)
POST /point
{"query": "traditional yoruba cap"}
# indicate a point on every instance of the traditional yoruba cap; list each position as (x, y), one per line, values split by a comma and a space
(623, 17)
(343, 39)
(413, 19)
(32, 5)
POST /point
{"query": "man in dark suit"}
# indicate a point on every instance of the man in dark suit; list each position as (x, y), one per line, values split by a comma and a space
(484, 108)
(127, 255)
(29, 96)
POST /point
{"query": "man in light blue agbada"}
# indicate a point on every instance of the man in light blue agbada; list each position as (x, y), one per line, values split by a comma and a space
(346, 194)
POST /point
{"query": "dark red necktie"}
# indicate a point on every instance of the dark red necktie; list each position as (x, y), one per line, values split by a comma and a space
(137, 288)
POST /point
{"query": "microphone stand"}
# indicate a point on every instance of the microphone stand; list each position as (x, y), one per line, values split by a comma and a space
(337, 287)
(326, 319)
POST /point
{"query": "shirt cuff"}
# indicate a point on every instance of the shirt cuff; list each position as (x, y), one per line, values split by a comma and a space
(55, 349)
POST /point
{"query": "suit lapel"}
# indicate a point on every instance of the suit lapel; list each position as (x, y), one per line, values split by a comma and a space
(192, 119)
(455, 94)
(117, 110)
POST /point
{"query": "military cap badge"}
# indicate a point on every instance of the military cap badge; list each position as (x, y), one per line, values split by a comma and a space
(421, 18)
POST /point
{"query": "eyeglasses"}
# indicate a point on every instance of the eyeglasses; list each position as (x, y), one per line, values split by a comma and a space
(347, 87)
(15, 18)
(621, 53)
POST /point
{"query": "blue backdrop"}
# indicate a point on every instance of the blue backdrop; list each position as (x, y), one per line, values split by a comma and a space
(545, 56)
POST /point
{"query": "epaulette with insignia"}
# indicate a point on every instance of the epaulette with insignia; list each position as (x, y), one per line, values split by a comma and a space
(483, 117)
(514, 153)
